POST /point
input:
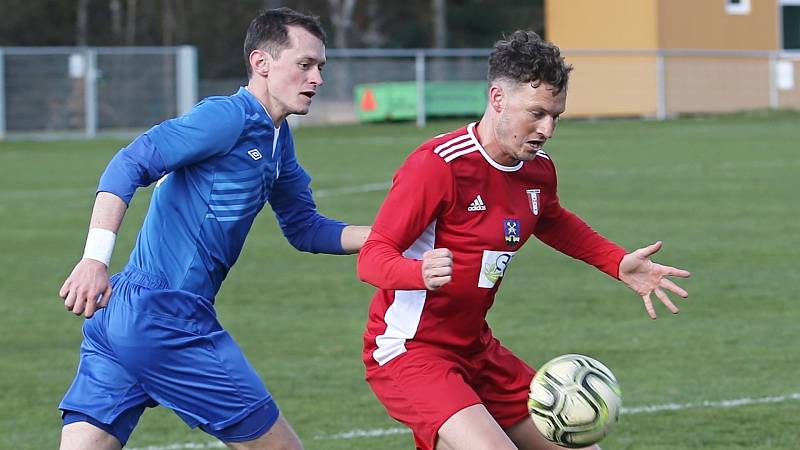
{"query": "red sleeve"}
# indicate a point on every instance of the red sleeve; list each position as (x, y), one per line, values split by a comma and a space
(421, 190)
(566, 232)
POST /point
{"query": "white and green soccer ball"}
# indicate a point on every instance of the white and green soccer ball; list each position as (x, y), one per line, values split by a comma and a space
(574, 400)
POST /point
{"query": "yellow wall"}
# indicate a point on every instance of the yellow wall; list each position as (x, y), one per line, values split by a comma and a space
(607, 24)
(611, 85)
(626, 83)
(704, 24)
(716, 84)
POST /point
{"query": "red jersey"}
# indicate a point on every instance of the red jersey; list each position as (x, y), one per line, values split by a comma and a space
(450, 193)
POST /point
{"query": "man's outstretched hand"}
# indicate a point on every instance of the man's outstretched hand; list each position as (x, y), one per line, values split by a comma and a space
(645, 277)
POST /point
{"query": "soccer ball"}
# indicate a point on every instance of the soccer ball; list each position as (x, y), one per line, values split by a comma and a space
(574, 400)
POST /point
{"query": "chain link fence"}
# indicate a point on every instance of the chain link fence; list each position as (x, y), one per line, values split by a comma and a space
(86, 91)
(82, 91)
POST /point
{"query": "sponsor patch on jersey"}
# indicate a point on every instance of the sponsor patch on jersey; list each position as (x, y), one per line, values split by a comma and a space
(533, 198)
(511, 230)
(493, 267)
(255, 154)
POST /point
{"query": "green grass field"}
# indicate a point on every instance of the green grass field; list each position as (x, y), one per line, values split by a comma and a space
(721, 192)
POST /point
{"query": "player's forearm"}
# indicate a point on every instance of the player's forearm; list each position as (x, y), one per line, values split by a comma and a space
(569, 234)
(353, 237)
(108, 212)
(383, 266)
(107, 216)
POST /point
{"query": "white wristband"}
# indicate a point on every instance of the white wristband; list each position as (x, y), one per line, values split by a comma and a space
(99, 245)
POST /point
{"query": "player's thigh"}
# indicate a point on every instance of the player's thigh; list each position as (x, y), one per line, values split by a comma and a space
(526, 437)
(280, 437)
(503, 384)
(186, 361)
(83, 435)
(473, 428)
(423, 388)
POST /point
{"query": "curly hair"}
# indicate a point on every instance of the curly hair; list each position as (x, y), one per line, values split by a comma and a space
(268, 31)
(525, 58)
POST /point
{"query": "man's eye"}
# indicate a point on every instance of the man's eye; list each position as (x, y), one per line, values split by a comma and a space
(304, 66)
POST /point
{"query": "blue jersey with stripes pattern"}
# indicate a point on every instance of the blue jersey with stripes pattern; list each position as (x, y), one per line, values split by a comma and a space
(217, 166)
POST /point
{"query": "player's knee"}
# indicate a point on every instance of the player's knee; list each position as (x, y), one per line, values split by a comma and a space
(82, 435)
(264, 428)
(280, 436)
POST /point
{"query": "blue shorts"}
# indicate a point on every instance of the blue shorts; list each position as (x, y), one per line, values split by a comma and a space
(151, 346)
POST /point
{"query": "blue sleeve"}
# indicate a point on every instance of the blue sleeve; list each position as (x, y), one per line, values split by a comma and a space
(305, 228)
(136, 165)
(211, 128)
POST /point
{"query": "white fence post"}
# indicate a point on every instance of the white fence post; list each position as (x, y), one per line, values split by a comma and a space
(90, 93)
(2, 97)
(419, 65)
(186, 78)
(774, 98)
(661, 86)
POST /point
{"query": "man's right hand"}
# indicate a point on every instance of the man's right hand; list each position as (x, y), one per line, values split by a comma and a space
(87, 288)
(437, 268)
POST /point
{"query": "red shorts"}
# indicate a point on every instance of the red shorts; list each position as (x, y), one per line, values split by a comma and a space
(426, 385)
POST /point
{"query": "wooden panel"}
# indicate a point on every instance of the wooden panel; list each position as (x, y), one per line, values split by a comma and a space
(705, 24)
(611, 85)
(623, 24)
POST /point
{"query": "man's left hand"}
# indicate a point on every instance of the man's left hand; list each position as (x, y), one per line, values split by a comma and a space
(645, 277)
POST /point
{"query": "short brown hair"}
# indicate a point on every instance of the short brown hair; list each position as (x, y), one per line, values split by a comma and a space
(525, 58)
(268, 31)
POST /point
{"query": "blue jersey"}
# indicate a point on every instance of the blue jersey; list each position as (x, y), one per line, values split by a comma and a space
(217, 167)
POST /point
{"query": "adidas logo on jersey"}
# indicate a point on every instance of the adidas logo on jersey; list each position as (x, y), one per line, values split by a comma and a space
(477, 205)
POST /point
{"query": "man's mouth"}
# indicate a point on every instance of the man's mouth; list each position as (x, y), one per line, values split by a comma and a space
(308, 94)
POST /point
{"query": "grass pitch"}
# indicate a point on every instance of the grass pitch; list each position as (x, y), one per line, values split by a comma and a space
(721, 192)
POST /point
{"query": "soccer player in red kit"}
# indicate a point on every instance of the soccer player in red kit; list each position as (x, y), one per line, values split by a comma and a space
(458, 210)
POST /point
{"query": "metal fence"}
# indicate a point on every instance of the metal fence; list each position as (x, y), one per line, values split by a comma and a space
(604, 83)
(86, 90)
(668, 83)
(347, 68)
(50, 91)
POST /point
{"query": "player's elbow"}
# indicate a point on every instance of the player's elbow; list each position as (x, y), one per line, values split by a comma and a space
(316, 237)
(361, 269)
(365, 269)
(303, 240)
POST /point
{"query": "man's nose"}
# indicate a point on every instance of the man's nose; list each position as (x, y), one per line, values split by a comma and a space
(316, 77)
(546, 127)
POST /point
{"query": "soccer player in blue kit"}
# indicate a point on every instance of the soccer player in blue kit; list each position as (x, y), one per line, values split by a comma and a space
(151, 336)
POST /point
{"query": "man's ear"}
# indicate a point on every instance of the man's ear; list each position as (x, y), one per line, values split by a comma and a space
(260, 62)
(497, 97)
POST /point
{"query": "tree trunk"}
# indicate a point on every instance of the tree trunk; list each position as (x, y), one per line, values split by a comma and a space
(130, 23)
(82, 28)
(115, 13)
(439, 23)
(374, 35)
(168, 23)
(341, 13)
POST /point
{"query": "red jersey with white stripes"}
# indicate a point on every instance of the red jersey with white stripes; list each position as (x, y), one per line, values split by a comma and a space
(451, 194)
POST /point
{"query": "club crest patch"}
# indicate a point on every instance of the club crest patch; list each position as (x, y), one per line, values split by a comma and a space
(511, 229)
